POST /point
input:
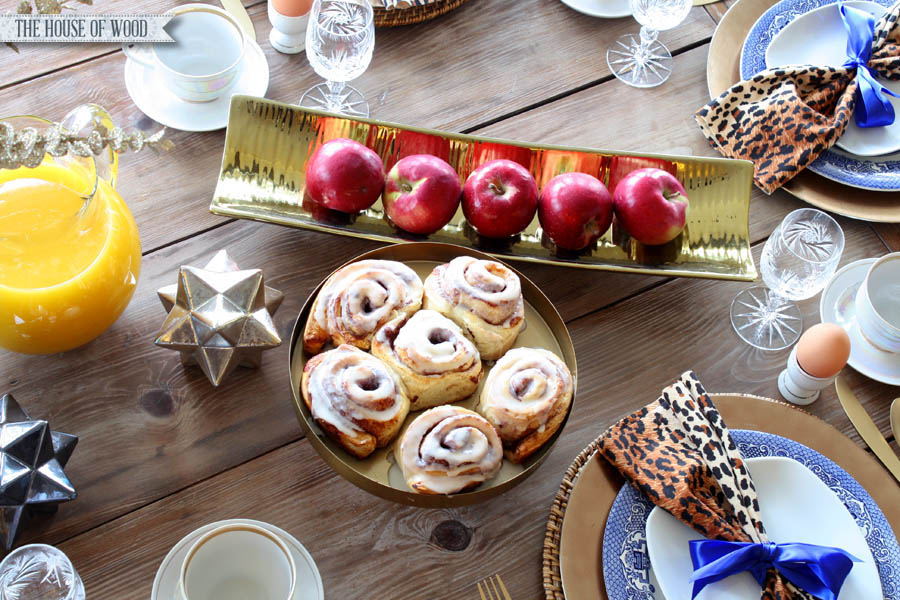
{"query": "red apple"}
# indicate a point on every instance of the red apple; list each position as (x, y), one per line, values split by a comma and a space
(421, 193)
(344, 175)
(651, 205)
(575, 209)
(500, 198)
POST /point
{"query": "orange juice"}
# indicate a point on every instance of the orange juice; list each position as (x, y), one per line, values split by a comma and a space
(67, 267)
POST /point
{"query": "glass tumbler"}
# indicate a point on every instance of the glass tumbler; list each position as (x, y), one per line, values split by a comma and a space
(39, 572)
(797, 261)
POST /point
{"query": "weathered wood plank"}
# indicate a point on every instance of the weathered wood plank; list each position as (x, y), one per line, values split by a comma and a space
(456, 86)
(717, 10)
(627, 354)
(890, 234)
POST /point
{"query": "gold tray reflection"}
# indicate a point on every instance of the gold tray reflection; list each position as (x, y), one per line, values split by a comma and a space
(268, 144)
(378, 474)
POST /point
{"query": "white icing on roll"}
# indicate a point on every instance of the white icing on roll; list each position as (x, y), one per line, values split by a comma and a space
(523, 389)
(448, 448)
(349, 386)
(364, 295)
(484, 287)
(431, 344)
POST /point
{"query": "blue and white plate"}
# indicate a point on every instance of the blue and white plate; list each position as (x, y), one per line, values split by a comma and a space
(626, 563)
(881, 173)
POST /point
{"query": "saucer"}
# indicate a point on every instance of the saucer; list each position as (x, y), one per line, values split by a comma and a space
(606, 9)
(838, 306)
(163, 106)
(309, 582)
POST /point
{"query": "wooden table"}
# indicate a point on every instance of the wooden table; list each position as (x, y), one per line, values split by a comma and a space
(162, 452)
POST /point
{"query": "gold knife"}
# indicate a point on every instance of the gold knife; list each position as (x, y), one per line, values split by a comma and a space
(237, 10)
(867, 428)
(895, 419)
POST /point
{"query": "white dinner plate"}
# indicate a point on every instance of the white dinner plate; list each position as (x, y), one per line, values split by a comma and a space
(607, 9)
(819, 37)
(838, 306)
(308, 585)
(161, 105)
(796, 506)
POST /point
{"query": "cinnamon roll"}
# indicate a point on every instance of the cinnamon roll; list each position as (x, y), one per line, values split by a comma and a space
(357, 300)
(526, 396)
(449, 449)
(483, 297)
(355, 398)
(436, 362)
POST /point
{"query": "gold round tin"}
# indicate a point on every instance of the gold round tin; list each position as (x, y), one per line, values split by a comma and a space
(379, 474)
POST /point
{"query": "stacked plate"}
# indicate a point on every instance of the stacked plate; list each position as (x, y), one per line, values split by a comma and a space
(812, 32)
(615, 544)
(792, 32)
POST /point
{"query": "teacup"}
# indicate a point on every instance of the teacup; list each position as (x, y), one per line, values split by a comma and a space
(236, 562)
(878, 304)
(206, 57)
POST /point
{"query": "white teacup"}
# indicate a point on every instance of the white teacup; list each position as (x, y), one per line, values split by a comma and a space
(878, 303)
(206, 57)
(237, 562)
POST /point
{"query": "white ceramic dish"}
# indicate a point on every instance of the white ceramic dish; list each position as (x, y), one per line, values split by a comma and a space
(309, 582)
(794, 505)
(606, 9)
(820, 38)
(155, 101)
(838, 305)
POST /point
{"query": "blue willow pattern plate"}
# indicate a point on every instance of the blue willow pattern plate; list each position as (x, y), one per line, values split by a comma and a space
(880, 173)
(626, 562)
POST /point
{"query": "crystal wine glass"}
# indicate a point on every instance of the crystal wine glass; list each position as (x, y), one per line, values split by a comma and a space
(340, 38)
(644, 61)
(39, 572)
(797, 261)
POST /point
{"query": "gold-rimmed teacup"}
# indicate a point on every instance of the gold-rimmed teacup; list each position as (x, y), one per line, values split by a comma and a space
(236, 562)
(206, 58)
(878, 304)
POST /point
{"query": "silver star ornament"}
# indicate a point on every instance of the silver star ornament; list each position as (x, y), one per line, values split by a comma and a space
(220, 317)
(32, 458)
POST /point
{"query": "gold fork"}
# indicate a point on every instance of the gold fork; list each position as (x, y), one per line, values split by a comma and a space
(486, 585)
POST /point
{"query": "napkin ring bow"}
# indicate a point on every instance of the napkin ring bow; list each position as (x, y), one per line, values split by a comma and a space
(819, 570)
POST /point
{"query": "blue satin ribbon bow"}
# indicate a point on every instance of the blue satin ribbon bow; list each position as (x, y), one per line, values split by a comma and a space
(872, 109)
(819, 570)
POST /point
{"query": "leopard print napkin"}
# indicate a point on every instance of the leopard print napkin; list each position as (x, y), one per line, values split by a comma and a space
(783, 119)
(679, 453)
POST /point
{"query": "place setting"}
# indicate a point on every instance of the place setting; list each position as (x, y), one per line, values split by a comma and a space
(858, 175)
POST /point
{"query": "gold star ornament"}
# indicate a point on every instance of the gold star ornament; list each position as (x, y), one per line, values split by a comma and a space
(220, 317)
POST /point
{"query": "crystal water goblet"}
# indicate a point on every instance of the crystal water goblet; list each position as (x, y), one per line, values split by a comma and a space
(644, 61)
(340, 38)
(39, 572)
(797, 261)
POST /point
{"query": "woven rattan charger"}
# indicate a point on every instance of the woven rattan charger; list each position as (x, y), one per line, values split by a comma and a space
(414, 14)
(740, 411)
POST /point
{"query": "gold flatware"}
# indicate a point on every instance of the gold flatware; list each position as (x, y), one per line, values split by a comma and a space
(491, 583)
(237, 10)
(867, 428)
(895, 419)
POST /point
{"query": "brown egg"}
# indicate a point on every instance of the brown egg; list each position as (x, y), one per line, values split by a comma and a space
(823, 350)
(292, 8)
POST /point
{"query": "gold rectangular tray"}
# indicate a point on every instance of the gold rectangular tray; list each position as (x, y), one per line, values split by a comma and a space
(268, 144)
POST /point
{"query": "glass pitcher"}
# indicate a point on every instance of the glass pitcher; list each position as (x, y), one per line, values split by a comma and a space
(70, 253)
